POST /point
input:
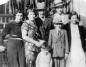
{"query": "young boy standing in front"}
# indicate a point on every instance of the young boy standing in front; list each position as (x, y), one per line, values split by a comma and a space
(59, 44)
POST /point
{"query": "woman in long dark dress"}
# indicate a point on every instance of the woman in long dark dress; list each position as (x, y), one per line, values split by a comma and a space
(15, 47)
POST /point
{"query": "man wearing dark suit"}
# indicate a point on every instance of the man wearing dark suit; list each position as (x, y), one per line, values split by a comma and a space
(44, 25)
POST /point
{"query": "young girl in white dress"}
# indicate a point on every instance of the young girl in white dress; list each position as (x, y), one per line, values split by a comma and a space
(44, 57)
(76, 56)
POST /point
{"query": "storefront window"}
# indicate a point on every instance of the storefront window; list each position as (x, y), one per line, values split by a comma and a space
(2, 9)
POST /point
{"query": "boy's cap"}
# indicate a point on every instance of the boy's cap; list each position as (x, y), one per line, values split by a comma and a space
(38, 10)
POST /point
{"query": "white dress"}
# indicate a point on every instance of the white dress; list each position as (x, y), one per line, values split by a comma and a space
(77, 56)
(44, 59)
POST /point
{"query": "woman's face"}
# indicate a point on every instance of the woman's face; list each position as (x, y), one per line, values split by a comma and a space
(19, 17)
(31, 15)
(74, 19)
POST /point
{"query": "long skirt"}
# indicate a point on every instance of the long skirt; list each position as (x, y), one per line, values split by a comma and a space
(15, 53)
(30, 54)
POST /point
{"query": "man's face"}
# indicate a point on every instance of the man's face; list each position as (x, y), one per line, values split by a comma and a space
(59, 10)
(57, 26)
(41, 14)
(19, 17)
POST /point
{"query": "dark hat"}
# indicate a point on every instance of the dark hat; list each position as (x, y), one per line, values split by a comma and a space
(40, 10)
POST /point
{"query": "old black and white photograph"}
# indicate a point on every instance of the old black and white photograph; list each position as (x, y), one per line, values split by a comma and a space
(42, 33)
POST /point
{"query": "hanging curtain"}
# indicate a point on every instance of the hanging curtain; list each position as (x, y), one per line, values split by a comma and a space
(30, 3)
(17, 4)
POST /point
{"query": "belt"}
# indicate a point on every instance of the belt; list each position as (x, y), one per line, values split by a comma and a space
(16, 38)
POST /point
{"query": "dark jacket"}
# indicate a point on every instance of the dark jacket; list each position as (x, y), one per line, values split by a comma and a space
(44, 27)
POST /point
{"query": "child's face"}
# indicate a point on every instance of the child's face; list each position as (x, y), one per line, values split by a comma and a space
(57, 26)
(74, 19)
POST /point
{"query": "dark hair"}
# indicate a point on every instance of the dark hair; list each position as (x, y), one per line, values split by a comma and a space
(29, 10)
(17, 11)
(44, 45)
(74, 13)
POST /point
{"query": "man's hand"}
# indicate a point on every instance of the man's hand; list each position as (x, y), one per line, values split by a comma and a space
(66, 56)
(2, 48)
